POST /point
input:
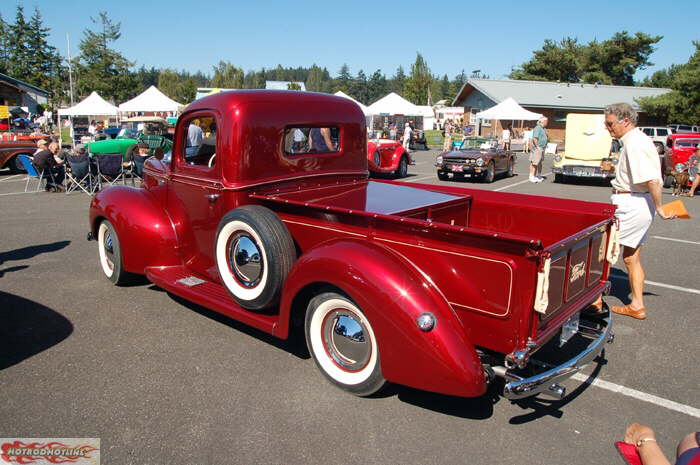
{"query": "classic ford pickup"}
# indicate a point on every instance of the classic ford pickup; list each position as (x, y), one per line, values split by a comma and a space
(268, 216)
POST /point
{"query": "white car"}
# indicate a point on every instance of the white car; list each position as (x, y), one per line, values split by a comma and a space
(658, 135)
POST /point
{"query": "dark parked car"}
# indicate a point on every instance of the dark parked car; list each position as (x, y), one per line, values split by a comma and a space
(479, 163)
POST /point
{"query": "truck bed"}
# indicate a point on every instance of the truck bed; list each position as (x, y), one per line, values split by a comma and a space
(482, 249)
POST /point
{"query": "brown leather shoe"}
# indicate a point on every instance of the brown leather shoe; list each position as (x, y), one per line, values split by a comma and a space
(639, 313)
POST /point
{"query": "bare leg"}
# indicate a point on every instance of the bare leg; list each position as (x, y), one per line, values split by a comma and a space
(688, 442)
(635, 274)
(696, 181)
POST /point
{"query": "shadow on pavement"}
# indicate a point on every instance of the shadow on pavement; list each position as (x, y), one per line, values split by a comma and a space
(477, 408)
(28, 328)
(621, 286)
(25, 253)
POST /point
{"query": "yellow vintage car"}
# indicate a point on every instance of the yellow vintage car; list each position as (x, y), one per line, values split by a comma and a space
(590, 151)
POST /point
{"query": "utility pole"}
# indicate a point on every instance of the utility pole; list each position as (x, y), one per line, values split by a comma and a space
(70, 71)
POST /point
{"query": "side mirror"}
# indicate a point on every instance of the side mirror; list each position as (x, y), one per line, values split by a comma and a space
(158, 153)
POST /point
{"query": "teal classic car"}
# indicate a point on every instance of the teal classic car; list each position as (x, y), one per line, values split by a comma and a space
(151, 130)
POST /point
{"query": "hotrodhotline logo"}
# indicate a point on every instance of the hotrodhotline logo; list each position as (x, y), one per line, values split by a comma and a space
(64, 450)
(577, 271)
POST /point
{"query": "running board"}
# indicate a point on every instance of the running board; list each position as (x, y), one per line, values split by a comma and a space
(180, 281)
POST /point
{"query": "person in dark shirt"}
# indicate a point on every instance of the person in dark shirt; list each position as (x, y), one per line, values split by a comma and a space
(54, 170)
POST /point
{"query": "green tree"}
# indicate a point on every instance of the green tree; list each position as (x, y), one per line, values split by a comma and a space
(102, 69)
(293, 86)
(4, 46)
(661, 78)
(358, 89)
(455, 86)
(418, 82)
(227, 76)
(19, 56)
(613, 61)
(46, 68)
(554, 62)
(397, 81)
(180, 87)
(376, 87)
(344, 80)
(683, 102)
(314, 81)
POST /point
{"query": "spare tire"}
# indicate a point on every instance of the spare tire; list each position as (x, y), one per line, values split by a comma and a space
(254, 253)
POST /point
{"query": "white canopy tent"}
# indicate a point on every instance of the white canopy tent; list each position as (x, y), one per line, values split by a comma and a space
(340, 93)
(93, 105)
(508, 109)
(394, 104)
(151, 100)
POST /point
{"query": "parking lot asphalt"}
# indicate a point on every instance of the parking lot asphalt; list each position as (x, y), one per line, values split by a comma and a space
(164, 381)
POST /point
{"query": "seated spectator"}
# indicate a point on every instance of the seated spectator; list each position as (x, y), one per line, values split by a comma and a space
(54, 171)
(643, 437)
(41, 144)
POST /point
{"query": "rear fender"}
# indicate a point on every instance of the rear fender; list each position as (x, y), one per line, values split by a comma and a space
(392, 293)
(145, 231)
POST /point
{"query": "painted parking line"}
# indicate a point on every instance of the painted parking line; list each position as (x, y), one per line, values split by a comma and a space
(421, 178)
(667, 286)
(10, 177)
(676, 240)
(516, 184)
(20, 193)
(639, 395)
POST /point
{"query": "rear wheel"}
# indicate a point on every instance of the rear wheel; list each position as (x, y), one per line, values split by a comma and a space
(668, 180)
(16, 165)
(511, 168)
(343, 344)
(111, 254)
(443, 177)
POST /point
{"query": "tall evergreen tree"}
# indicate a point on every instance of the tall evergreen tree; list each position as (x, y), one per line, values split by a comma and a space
(344, 80)
(418, 82)
(101, 69)
(376, 87)
(19, 65)
(397, 81)
(314, 82)
(227, 76)
(4, 46)
(358, 89)
(46, 68)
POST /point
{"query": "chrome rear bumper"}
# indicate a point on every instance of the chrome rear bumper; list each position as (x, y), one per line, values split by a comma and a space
(547, 382)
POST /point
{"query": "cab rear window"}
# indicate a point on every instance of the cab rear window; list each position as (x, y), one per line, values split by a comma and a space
(311, 140)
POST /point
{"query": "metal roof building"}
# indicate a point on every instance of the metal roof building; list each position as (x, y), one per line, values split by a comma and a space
(553, 99)
(14, 92)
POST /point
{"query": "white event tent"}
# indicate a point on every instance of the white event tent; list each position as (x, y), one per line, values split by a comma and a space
(93, 105)
(394, 104)
(151, 100)
(508, 110)
(340, 93)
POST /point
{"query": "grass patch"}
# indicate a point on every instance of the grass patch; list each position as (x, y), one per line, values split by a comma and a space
(65, 136)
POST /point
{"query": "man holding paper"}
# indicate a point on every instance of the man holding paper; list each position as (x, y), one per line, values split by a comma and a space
(637, 195)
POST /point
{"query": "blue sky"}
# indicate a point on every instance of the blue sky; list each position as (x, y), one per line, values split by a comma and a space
(451, 35)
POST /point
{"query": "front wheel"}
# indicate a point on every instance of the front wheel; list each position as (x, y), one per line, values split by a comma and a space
(490, 174)
(343, 344)
(402, 170)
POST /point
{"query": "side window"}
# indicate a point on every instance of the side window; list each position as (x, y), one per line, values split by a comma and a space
(662, 132)
(311, 140)
(200, 141)
(648, 131)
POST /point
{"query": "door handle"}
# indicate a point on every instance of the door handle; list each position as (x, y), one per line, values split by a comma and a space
(212, 197)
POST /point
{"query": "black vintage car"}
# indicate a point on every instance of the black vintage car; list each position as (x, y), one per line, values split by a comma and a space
(480, 163)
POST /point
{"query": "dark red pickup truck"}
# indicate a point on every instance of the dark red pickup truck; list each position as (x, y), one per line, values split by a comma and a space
(439, 288)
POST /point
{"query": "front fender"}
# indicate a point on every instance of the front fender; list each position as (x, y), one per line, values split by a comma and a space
(145, 231)
(392, 293)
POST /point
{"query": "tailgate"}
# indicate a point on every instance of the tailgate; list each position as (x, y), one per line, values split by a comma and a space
(572, 274)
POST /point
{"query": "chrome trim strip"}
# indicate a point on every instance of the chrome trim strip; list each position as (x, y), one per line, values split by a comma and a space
(324, 227)
(519, 388)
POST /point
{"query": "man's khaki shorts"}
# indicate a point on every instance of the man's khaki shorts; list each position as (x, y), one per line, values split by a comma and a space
(536, 155)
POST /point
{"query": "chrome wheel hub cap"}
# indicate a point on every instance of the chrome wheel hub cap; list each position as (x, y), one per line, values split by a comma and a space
(245, 259)
(109, 249)
(346, 340)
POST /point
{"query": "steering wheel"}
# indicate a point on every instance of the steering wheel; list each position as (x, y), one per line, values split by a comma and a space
(212, 160)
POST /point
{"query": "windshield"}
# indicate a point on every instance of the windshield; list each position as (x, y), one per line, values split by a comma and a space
(687, 143)
(127, 133)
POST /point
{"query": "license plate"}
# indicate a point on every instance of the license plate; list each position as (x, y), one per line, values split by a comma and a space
(583, 172)
(568, 330)
(458, 168)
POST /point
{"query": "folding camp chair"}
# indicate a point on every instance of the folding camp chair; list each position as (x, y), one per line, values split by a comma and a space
(137, 163)
(34, 173)
(79, 175)
(110, 169)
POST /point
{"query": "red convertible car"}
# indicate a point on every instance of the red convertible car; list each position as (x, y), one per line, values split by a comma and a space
(388, 156)
(435, 287)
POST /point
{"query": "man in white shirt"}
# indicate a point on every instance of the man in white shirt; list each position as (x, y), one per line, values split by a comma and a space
(637, 195)
(407, 130)
(194, 138)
